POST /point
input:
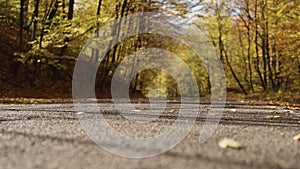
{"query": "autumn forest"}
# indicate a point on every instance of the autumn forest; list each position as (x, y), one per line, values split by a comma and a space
(257, 42)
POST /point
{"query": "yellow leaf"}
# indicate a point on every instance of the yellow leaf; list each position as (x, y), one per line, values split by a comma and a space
(297, 137)
(272, 117)
(172, 111)
(80, 113)
(229, 143)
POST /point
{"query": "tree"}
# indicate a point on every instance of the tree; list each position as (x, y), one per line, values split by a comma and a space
(35, 19)
(71, 9)
(21, 24)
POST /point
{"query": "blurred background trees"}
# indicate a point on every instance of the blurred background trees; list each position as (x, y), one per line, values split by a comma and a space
(258, 42)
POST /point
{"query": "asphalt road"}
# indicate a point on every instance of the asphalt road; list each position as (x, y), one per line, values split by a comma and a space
(49, 136)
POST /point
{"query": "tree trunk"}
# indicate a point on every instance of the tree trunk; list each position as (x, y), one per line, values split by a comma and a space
(257, 48)
(71, 9)
(264, 43)
(21, 25)
(26, 25)
(35, 19)
(63, 6)
(269, 59)
(47, 19)
(70, 17)
(249, 46)
(99, 7)
(95, 52)
(233, 74)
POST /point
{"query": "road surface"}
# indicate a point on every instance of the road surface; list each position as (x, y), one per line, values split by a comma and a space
(49, 136)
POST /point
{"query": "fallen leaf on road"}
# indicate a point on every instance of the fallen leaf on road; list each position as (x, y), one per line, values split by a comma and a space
(272, 117)
(233, 110)
(297, 137)
(172, 111)
(292, 107)
(229, 143)
(79, 113)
